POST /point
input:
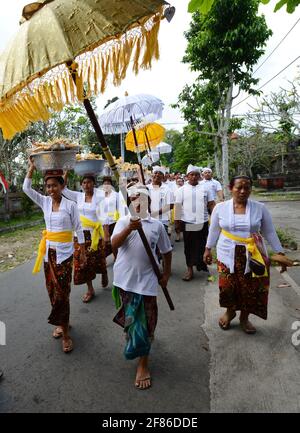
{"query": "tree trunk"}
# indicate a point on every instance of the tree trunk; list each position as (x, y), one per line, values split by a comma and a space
(217, 160)
(224, 137)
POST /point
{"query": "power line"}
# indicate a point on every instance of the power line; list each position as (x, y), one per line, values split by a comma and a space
(271, 79)
(277, 46)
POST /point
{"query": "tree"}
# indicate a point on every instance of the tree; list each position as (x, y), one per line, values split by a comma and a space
(199, 104)
(278, 112)
(254, 153)
(190, 147)
(204, 6)
(224, 45)
(13, 156)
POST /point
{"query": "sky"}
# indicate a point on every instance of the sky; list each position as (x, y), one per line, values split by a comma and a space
(169, 75)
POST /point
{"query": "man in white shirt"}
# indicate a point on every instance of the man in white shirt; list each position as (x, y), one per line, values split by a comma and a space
(192, 202)
(162, 199)
(170, 182)
(135, 280)
(213, 184)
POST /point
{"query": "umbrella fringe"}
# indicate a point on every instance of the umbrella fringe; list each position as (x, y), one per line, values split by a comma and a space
(36, 101)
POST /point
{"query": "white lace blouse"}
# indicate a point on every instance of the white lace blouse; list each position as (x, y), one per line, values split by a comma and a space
(256, 219)
(66, 219)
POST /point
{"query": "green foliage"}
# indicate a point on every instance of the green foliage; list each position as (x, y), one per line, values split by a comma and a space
(290, 5)
(190, 148)
(27, 204)
(228, 40)
(204, 6)
(16, 220)
(198, 102)
(286, 238)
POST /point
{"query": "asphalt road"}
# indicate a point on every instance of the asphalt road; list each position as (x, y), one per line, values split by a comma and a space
(95, 377)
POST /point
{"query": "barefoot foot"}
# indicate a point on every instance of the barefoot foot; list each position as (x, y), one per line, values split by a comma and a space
(224, 321)
(143, 378)
(247, 327)
(88, 297)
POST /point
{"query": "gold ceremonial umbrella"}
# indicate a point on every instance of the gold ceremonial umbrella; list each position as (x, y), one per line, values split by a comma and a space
(64, 52)
(95, 38)
(147, 137)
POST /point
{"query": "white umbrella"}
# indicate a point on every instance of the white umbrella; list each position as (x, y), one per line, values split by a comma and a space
(117, 117)
(150, 158)
(164, 148)
(123, 114)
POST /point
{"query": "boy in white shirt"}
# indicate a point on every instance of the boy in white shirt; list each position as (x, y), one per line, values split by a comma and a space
(135, 281)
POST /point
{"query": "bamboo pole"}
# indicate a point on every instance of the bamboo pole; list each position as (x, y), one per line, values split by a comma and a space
(137, 149)
(110, 159)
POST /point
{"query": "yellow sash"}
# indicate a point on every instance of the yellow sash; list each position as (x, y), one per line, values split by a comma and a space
(172, 216)
(97, 233)
(115, 215)
(251, 247)
(49, 236)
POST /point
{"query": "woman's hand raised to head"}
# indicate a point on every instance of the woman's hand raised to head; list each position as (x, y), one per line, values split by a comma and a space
(31, 167)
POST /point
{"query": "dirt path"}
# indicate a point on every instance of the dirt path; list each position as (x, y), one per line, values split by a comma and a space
(18, 247)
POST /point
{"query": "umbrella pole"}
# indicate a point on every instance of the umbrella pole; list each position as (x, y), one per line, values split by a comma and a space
(122, 147)
(147, 139)
(137, 150)
(149, 147)
(110, 159)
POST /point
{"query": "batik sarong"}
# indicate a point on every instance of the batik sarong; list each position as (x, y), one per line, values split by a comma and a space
(58, 283)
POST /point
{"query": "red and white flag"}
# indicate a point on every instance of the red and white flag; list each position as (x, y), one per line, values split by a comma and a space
(4, 183)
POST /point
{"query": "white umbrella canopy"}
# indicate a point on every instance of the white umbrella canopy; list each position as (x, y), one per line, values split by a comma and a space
(164, 148)
(150, 158)
(116, 118)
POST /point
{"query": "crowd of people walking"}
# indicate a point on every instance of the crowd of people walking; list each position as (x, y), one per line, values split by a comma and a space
(84, 227)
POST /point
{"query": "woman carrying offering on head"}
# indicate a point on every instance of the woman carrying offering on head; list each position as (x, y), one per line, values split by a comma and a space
(57, 247)
(88, 202)
(237, 227)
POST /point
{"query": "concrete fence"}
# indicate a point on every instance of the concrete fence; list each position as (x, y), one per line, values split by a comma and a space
(12, 205)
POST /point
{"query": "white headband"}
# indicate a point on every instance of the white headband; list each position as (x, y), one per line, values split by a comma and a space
(192, 168)
(138, 189)
(158, 168)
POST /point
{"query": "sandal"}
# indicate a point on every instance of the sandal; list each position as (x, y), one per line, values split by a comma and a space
(139, 381)
(67, 345)
(88, 297)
